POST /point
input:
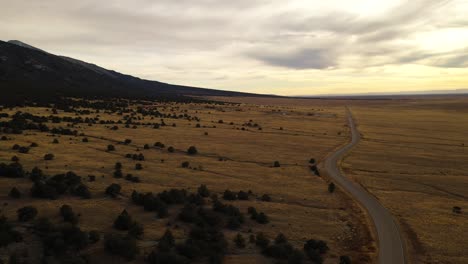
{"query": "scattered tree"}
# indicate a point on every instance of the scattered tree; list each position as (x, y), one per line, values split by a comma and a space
(192, 150)
(26, 213)
(14, 193)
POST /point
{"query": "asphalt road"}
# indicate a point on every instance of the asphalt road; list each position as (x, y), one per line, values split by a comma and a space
(391, 248)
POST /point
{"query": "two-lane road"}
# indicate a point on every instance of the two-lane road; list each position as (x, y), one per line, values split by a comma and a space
(391, 244)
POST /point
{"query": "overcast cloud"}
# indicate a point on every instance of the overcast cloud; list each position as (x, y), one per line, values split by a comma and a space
(284, 47)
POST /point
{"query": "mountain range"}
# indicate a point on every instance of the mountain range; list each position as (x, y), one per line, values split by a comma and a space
(27, 72)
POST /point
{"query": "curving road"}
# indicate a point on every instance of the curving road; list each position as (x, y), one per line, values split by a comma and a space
(391, 244)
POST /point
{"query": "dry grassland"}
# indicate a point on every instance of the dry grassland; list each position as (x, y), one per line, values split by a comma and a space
(301, 208)
(414, 158)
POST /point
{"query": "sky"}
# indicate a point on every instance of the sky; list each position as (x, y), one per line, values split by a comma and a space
(294, 47)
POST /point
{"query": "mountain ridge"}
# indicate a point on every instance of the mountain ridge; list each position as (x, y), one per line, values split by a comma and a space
(27, 71)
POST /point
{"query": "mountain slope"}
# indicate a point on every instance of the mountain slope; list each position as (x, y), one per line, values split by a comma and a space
(28, 72)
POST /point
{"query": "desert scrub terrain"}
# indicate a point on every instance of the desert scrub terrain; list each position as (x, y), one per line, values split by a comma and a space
(260, 152)
(413, 157)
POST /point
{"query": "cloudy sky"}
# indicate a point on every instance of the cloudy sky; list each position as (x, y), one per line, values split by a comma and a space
(294, 47)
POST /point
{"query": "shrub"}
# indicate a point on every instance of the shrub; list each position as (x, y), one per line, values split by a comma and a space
(331, 187)
(26, 213)
(167, 241)
(68, 215)
(127, 141)
(49, 156)
(13, 170)
(203, 191)
(15, 159)
(281, 238)
(118, 166)
(159, 144)
(171, 149)
(253, 213)
(91, 178)
(118, 174)
(262, 218)
(262, 241)
(314, 249)
(14, 193)
(276, 164)
(239, 241)
(113, 190)
(192, 150)
(34, 145)
(7, 234)
(266, 198)
(146, 146)
(23, 150)
(123, 246)
(82, 191)
(230, 196)
(241, 195)
(55, 141)
(345, 260)
(457, 210)
(312, 161)
(123, 221)
(135, 230)
(85, 140)
(166, 258)
(185, 164)
(110, 148)
(94, 236)
(138, 166)
(15, 147)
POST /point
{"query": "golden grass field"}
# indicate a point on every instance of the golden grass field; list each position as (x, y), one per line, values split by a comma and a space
(301, 208)
(413, 157)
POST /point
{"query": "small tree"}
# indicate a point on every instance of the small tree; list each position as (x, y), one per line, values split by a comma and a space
(123, 221)
(192, 150)
(276, 164)
(331, 187)
(68, 215)
(110, 148)
(262, 218)
(14, 193)
(26, 213)
(113, 190)
(241, 195)
(94, 236)
(203, 191)
(239, 241)
(457, 210)
(261, 240)
(166, 242)
(49, 156)
(266, 198)
(185, 164)
(121, 246)
(345, 260)
(118, 166)
(228, 195)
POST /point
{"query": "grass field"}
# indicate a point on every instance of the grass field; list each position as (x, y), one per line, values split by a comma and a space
(292, 132)
(414, 158)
